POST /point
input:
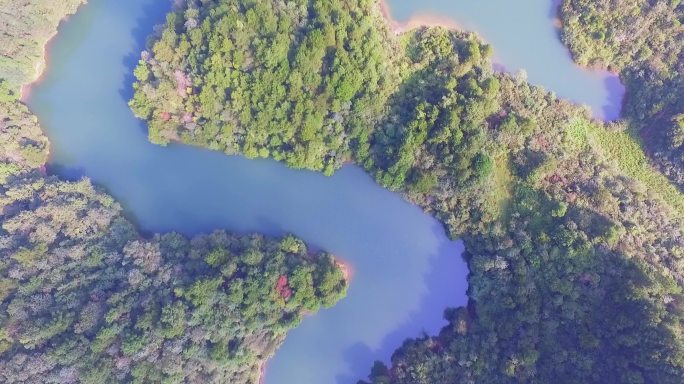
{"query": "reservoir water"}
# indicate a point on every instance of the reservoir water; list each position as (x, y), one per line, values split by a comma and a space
(525, 36)
(406, 272)
(405, 269)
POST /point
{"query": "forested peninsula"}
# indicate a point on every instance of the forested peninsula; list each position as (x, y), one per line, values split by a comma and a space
(573, 236)
(85, 299)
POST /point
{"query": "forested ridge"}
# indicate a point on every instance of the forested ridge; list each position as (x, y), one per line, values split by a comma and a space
(575, 258)
(287, 80)
(85, 299)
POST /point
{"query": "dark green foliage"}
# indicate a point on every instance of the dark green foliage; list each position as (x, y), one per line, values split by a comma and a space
(576, 271)
(84, 299)
(80, 289)
(436, 125)
(619, 33)
(565, 287)
(654, 106)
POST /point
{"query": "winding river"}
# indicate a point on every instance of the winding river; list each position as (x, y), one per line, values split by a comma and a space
(406, 271)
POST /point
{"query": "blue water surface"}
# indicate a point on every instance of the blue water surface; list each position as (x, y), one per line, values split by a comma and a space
(406, 271)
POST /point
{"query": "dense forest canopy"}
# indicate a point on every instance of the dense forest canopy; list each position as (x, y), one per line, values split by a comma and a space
(84, 298)
(559, 241)
(574, 241)
(297, 81)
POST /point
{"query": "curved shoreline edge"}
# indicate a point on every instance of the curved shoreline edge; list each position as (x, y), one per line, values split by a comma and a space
(43, 61)
(417, 20)
(430, 20)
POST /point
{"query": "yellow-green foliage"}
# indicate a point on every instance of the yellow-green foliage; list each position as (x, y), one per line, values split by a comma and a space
(642, 40)
(502, 184)
(26, 28)
(626, 152)
(576, 135)
(299, 83)
(22, 143)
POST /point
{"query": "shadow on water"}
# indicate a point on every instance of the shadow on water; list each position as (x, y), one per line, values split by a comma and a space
(68, 173)
(612, 110)
(615, 90)
(446, 268)
(555, 19)
(555, 8)
(407, 270)
(152, 15)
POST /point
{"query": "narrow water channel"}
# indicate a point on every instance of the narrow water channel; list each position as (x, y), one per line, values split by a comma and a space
(406, 272)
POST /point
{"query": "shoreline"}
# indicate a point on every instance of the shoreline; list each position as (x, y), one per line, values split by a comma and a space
(43, 60)
(348, 275)
(346, 267)
(427, 19)
(40, 69)
(417, 20)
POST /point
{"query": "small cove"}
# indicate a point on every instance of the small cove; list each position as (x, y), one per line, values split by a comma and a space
(525, 36)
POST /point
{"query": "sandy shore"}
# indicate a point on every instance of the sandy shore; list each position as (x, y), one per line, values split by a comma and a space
(41, 64)
(25, 90)
(347, 269)
(416, 20)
